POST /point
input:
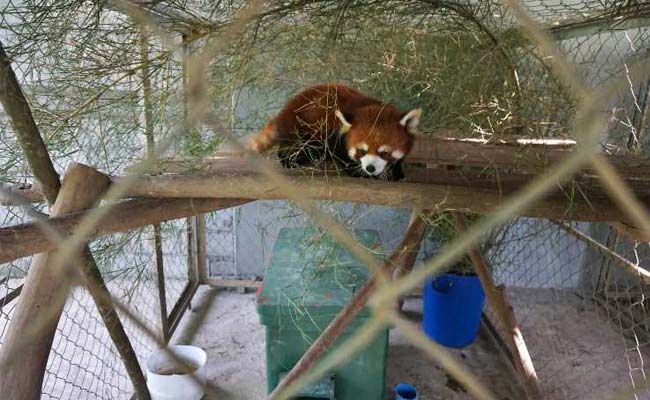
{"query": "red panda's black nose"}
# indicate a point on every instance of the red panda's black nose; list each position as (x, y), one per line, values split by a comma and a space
(370, 168)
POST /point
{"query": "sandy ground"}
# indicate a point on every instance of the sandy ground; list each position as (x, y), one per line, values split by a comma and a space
(577, 351)
(234, 340)
(577, 354)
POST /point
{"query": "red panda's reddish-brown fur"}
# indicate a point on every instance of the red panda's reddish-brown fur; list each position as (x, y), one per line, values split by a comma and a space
(320, 111)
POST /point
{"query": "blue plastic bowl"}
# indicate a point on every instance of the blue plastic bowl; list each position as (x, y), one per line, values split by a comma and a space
(404, 391)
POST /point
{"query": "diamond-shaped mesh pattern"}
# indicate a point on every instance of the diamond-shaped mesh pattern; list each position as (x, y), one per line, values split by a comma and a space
(582, 313)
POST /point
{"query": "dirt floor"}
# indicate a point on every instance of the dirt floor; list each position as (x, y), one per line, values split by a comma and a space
(576, 353)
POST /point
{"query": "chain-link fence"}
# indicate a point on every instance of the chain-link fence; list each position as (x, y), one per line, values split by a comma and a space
(85, 66)
(84, 362)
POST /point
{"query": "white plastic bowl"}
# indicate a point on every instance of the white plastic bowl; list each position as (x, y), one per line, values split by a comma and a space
(178, 386)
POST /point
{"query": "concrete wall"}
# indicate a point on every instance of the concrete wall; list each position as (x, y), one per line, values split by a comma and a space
(534, 253)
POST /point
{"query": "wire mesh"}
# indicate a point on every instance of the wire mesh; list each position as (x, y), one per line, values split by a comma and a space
(85, 99)
(84, 362)
(583, 317)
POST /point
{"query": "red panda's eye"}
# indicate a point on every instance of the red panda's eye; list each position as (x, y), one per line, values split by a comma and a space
(361, 152)
(383, 154)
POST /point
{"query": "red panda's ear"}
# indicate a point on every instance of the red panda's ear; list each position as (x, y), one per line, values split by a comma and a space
(411, 120)
(345, 125)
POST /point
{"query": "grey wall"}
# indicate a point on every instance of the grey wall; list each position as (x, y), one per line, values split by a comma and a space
(534, 253)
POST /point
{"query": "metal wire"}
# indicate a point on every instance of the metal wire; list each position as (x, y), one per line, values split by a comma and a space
(581, 314)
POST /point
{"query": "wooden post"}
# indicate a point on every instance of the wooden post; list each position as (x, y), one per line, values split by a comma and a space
(41, 298)
(497, 300)
(162, 290)
(147, 97)
(22, 121)
(192, 256)
(202, 249)
(398, 260)
(405, 255)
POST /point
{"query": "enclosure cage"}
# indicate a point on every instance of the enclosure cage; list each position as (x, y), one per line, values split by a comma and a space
(110, 84)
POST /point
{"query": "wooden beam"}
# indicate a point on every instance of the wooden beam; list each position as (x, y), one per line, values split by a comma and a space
(454, 150)
(176, 314)
(582, 184)
(500, 165)
(15, 195)
(162, 290)
(235, 178)
(634, 15)
(630, 231)
(234, 283)
(524, 155)
(405, 254)
(27, 239)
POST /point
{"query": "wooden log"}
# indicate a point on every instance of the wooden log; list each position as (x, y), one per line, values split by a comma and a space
(504, 164)
(405, 255)
(442, 148)
(398, 260)
(582, 184)
(499, 303)
(41, 298)
(17, 108)
(15, 195)
(234, 283)
(522, 153)
(162, 290)
(581, 192)
(527, 155)
(202, 248)
(27, 239)
(234, 178)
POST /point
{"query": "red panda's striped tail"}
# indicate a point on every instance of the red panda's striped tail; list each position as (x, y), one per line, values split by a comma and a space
(265, 139)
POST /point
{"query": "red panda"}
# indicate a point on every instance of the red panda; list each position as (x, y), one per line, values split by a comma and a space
(362, 135)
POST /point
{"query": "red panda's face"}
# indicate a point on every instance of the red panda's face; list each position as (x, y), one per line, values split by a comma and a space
(377, 139)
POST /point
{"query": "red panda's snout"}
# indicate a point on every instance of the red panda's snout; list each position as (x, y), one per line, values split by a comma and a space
(381, 143)
(375, 159)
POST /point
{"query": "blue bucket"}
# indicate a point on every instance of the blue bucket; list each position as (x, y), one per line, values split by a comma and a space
(452, 309)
